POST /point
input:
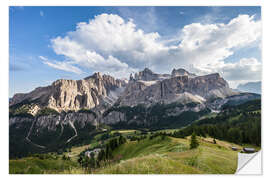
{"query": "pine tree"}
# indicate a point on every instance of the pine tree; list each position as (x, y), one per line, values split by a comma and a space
(101, 155)
(108, 152)
(122, 140)
(92, 161)
(193, 142)
(80, 160)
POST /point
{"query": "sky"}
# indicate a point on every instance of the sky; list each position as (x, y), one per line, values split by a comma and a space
(50, 43)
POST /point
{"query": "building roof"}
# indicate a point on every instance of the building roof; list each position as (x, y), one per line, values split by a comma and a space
(248, 149)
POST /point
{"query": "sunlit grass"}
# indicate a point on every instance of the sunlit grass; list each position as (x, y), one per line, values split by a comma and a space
(160, 155)
(172, 156)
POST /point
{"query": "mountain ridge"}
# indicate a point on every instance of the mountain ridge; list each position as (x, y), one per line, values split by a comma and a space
(68, 112)
(98, 92)
(254, 87)
(66, 95)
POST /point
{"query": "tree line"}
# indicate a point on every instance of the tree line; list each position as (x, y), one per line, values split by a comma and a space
(238, 124)
(104, 156)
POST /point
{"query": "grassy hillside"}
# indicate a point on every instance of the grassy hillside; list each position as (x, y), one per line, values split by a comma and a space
(173, 156)
(240, 124)
(159, 155)
(42, 165)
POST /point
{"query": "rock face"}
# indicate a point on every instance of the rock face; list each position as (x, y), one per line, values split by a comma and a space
(146, 88)
(148, 75)
(181, 88)
(113, 118)
(182, 72)
(73, 95)
(149, 100)
(68, 111)
(101, 92)
(50, 122)
(19, 120)
(43, 131)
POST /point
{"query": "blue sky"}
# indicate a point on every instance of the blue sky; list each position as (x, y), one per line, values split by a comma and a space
(46, 43)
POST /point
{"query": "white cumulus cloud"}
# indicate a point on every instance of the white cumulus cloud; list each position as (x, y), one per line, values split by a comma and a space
(245, 70)
(112, 45)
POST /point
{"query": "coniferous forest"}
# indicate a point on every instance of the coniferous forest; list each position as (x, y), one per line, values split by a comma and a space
(239, 124)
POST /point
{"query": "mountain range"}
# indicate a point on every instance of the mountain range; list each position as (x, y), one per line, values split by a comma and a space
(253, 87)
(69, 112)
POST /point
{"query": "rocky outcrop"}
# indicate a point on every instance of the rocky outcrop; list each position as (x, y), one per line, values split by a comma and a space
(19, 120)
(64, 95)
(181, 89)
(148, 116)
(113, 118)
(148, 75)
(182, 72)
(51, 122)
(217, 103)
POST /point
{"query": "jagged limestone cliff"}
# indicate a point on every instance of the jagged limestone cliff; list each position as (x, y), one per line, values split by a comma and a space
(177, 88)
(64, 95)
(70, 110)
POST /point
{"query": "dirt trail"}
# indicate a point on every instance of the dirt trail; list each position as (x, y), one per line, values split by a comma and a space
(27, 137)
(73, 127)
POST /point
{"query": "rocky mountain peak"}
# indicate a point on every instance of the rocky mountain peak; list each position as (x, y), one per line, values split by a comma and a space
(213, 76)
(147, 70)
(181, 72)
(96, 75)
(180, 86)
(146, 87)
(64, 94)
(146, 75)
(149, 75)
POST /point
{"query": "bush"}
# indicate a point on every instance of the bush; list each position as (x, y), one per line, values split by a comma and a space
(88, 111)
(64, 157)
(46, 111)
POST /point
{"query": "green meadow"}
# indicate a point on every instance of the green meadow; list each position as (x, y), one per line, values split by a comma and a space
(159, 155)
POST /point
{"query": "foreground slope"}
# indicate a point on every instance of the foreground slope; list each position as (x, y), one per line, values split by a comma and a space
(160, 155)
(173, 156)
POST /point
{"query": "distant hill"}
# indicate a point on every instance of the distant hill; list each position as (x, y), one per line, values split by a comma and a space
(254, 87)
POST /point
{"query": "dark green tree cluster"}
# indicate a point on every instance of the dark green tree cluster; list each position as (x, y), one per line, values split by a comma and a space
(238, 124)
(64, 157)
(88, 111)
(46, 111)
(136, 138)
(162, 134)
(104, 156)
(193, 141)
